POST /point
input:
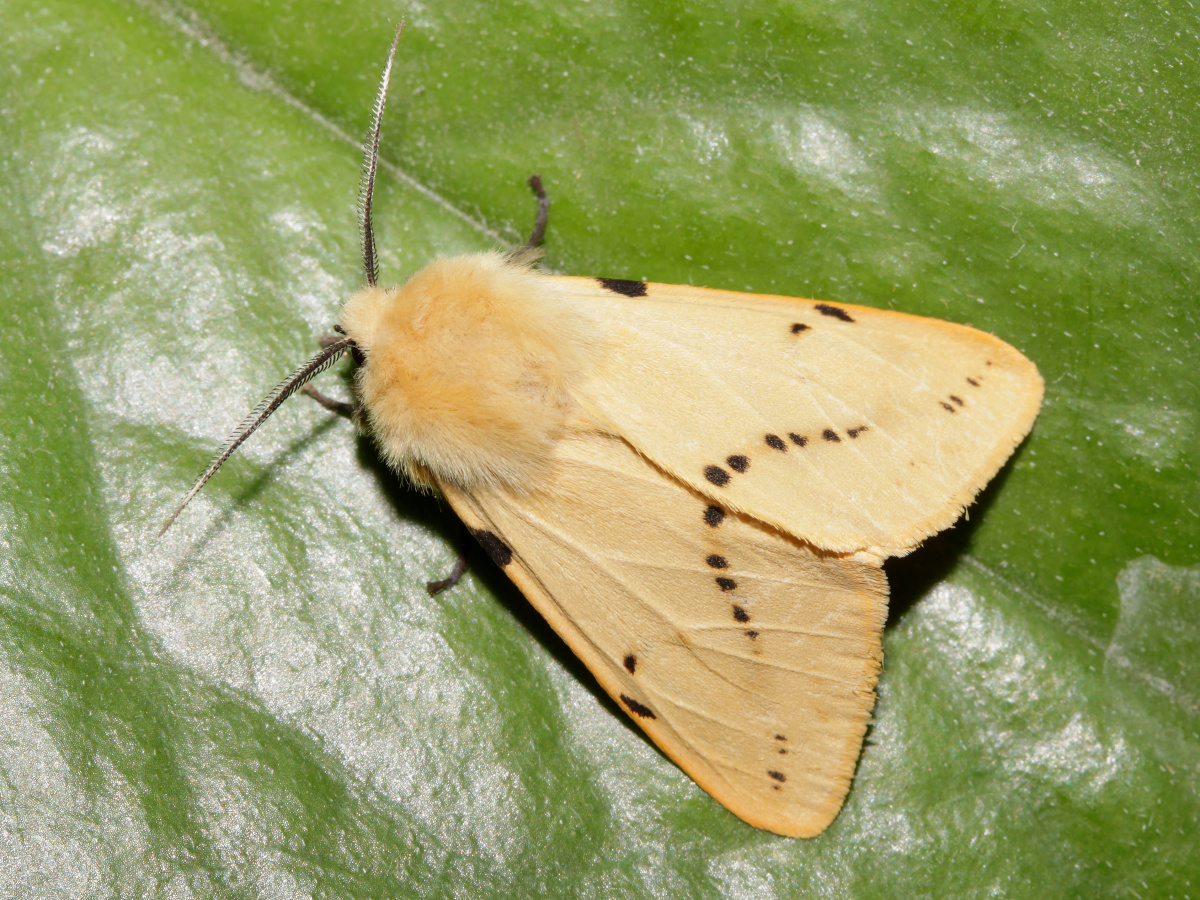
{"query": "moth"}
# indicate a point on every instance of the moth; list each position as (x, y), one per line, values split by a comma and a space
(697, 488)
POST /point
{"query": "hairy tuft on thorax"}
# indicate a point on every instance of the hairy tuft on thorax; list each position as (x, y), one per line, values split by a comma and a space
(470, 369)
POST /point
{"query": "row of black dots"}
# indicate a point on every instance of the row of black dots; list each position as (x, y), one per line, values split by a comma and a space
(775, 442)
(714, 516)
(739, 463)
(974, 381)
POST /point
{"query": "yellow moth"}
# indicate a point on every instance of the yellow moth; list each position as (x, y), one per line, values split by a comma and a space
(697, 488)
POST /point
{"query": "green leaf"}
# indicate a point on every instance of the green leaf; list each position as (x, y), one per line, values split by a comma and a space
(266, 702)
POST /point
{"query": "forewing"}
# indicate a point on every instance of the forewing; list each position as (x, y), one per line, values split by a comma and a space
(851, 427)
(750, 658)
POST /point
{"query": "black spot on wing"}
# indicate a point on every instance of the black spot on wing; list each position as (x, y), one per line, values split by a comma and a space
(753, 635)
(798, 327)
(740, 614)
(798, 439)
(830, 435)
(717, 562)
(780, 737)
(778, 776)
(624, 286)
(714, 516)
(946, 406)
(496, 548)
(855, 432)
(738, 463)
(716, 475)
(630, 663)
(836, 312)
(775, 442)
(726, 584)
(638, 709)
(957, 400)
(972, 382)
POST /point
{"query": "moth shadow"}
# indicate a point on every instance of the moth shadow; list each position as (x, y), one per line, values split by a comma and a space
(912, 577)
(426, 510)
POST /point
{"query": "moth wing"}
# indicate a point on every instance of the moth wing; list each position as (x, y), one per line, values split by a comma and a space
(853, 428)
(748, 657)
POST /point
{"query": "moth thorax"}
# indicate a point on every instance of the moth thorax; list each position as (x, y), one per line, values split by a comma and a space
(470, 369)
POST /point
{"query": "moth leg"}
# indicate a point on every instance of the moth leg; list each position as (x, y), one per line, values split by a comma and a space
(543, 213)
(460, 565)
(341, 407)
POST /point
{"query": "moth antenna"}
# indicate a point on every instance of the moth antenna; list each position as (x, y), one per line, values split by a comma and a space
(314, 367)
(366, 187)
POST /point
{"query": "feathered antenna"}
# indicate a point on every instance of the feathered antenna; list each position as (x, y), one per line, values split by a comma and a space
(366, 185)
(330, 354)
(269, 404)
